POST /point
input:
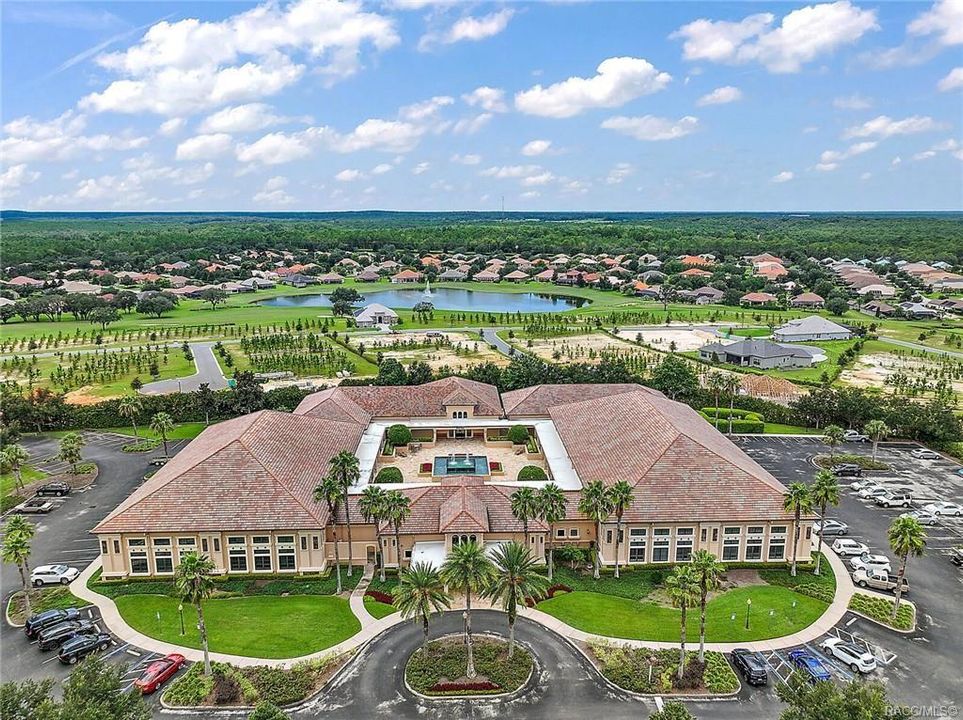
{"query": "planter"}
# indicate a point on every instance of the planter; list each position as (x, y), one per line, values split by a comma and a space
(437, 669)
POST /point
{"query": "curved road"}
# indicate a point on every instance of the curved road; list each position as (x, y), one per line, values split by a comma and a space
(208, 371)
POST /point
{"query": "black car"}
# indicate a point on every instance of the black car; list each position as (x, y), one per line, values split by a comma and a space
(847, 470)
(54, 635)
(48, 618)
(752, 667)
(57, 488)
(80, 646)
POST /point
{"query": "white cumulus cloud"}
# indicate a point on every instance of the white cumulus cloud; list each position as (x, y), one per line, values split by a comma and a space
(652, 128)
(243, 118)
(469, 28)
(884, 126)
(721, 96)
(273, 192)
(487, 98)
(944, 19)
(952, 81)
(536, 147)
(784, 176)
(204, 147)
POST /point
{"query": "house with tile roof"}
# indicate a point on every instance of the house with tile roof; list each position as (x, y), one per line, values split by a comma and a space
(242, 491)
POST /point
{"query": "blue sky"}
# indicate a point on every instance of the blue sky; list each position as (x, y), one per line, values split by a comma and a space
(420, 105)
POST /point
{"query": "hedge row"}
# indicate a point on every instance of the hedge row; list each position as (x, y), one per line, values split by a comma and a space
(724, 412)
(738, 426)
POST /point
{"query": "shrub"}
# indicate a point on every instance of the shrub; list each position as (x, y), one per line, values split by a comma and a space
(278, 685)
(443, 663)
(389, 475)
(191, 688)
(692, 676)
(532, 473)
(142, 446)
(381, 597)
(447, 687)
(672, 711)
(866, 463)
(227, 690)
(880, 609)
(736, 413)
(267, 711)
(398, 435)
(748, 422)
(628, 668)
(518, 434)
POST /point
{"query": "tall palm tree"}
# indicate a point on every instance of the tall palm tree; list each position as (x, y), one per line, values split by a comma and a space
(468, 569)
(906, 537)
(709, 572)
(877, 430)
(329, 492)
(515, 580)
(620, 498)
(344, 466)
(130, 408)
(397, 510)
(551, 509)
(594, 504)
(716, 384)
(162, 424)
(823, 493)
(524, 504)
(731, 385)
(796, 501)
(371, 505)
(193, 583)
(682, 585)
(420, 594)
(70, 450)
(833, 437)
(15, 549)
(14, 457)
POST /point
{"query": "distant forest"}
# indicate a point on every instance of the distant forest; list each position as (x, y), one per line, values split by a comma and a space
(138, 241)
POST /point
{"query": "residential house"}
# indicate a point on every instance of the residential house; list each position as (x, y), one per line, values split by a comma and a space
(406, 276)
(375, 314)
(756, 299)
(760, 353)
(487, 276)
(809, 329)
(807, 300)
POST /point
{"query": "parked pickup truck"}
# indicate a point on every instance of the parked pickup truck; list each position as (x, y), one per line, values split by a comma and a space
(877, 579)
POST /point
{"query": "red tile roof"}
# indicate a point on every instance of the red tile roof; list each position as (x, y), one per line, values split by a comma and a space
(537, 400)
(428, 400)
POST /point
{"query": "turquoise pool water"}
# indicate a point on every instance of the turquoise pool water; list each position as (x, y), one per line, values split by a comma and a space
(461, 465)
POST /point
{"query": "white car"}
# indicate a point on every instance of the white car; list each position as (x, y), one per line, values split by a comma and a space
(845, 546)
(872, 492)
(944, 508)
(924, 454)
(854, 436)
(866, 561)
(858, 659)
(921, 516)
(863, 484)
(53, 574)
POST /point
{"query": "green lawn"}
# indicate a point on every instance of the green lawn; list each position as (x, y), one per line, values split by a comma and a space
(378, 609)
(747, 331)
(264, 626)
(40, 600)
(624, 618)
(182, 431)
(780, 429)
(8, 481)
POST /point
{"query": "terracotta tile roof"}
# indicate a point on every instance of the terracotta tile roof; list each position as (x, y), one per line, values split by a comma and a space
(426, 400)
(462, 511)
(334, 405)
(233, 472)
(536, 400)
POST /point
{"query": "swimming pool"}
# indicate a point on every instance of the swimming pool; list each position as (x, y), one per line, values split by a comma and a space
(461, 465)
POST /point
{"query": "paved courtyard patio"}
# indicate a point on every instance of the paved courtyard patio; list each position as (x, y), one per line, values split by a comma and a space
(511, 463)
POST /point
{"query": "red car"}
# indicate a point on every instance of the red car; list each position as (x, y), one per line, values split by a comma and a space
(158, 672)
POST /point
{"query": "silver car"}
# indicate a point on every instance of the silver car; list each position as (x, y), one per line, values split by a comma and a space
(921, 516)
(944, 508)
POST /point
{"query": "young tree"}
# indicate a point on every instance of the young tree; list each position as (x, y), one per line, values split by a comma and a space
(397, 510)
(469, 570)
(103, 316)
(551, 510)
(344, 466)
(205, 399)
(329, 492)
(95, 690)
(193, 583)
(709, 572)
(130, 408)
(682, 585)
(594, 504)
(515, 579)
(796, 501)
(524, 504)
(420, 594)
(730, 385)
(877, 430)
(213, 296)
(833, 437)
(162, 424)
(619, 500)
(906, 537)
(675, 378)
(12, 459)
(715, 383)
(71, 446)
(854, 700)
(28, 700)
(371, 505)
(15, 550)
(823, 493)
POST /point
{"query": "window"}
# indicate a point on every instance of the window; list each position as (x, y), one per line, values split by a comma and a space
(237, 554)
(163, 562)
(304, 542)
(777, 549)
(103, 547)
(236, 540)
(314, 541)
(204, 545)
(809, 533)
(608, 537)
(754, 543)
(755, 530)
(704, 535)
(559, 532)
(715, 534)
(286, 559)
(186, 541)
(683, 544)
(217, 544)
(285, 540)
(161, 542)
(262, 559)
(136, 542)
(732, 531)
(660, 545)
(573, 532)
(778, 530)
(261, 540)
(407, 554)
(138, 564)
(730, 549)
(117, 547)
(637, 545)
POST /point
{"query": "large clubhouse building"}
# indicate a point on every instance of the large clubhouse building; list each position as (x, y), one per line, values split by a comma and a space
(242, 491)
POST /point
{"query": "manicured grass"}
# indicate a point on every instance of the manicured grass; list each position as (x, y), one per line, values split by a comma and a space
(445, 661)
(182, 431)
(779, 429)
(378, 609)
(40, 600)
(8, 481)
(747, 332)
(634, 583)
(263, 626)
(623, 618)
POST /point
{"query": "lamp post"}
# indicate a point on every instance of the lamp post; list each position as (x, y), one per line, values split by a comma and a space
(748, 606)
(180, 610)
(652, 661)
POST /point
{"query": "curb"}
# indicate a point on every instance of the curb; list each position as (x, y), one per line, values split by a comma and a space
(6, 611)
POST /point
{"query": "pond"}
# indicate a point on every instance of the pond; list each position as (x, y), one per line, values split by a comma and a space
(447, 299)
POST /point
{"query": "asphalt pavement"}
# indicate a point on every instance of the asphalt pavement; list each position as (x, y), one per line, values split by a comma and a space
(208, 371)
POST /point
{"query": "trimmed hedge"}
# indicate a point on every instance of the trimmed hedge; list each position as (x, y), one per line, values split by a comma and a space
(398, 435)
(743, 421)
(532, 473)
(389, 475)
(736, 413)
(518, 434)
(444, 662)
(880, 609)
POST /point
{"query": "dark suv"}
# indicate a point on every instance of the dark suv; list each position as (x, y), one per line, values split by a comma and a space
(56, 488)
(48, 618)
(847, 470)
(80, 646)
(752, 667)
(51, 637)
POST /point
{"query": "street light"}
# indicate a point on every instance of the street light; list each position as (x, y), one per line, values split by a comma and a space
(748, 606)
(652, 661)
(180, 609)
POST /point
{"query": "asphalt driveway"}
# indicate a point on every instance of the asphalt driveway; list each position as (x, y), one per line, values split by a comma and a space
(208, 371)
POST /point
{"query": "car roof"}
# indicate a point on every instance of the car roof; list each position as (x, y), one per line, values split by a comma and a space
(50, 568)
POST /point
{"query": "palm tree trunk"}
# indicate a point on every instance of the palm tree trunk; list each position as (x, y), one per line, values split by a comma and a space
(337, 554)
(19, 474)
(598, 549)
(202, 629)
(470, 670)
(732, 404)
(424, 626)
(164, 437)
(381, 553)
(716, 396)
(618, 532)
(898, 591)
(682, 645)
(347, 517)
(134, 423)
(525, 531)
(511, 635)
(398, 551)
(822, 524)
(875, 445)
(702, 621)
(551, 550)
(795, 541)
(26, 587)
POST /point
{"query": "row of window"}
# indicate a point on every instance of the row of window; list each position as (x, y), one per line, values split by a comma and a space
(731, 543)
(261, 558)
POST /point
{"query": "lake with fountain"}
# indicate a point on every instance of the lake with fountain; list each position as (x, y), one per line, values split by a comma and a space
(447, 299)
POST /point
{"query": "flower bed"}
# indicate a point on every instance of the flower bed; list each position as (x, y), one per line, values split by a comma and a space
(438, 668)
(628, 668)
(495, 467)
(880, 609)
(381, 597)
(425, 468)
(865, 462)
(141, 446)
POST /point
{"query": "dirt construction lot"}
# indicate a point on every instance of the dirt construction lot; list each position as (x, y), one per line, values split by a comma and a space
(685, 339)
(886, 370)
(459, 351)
(588, 348)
